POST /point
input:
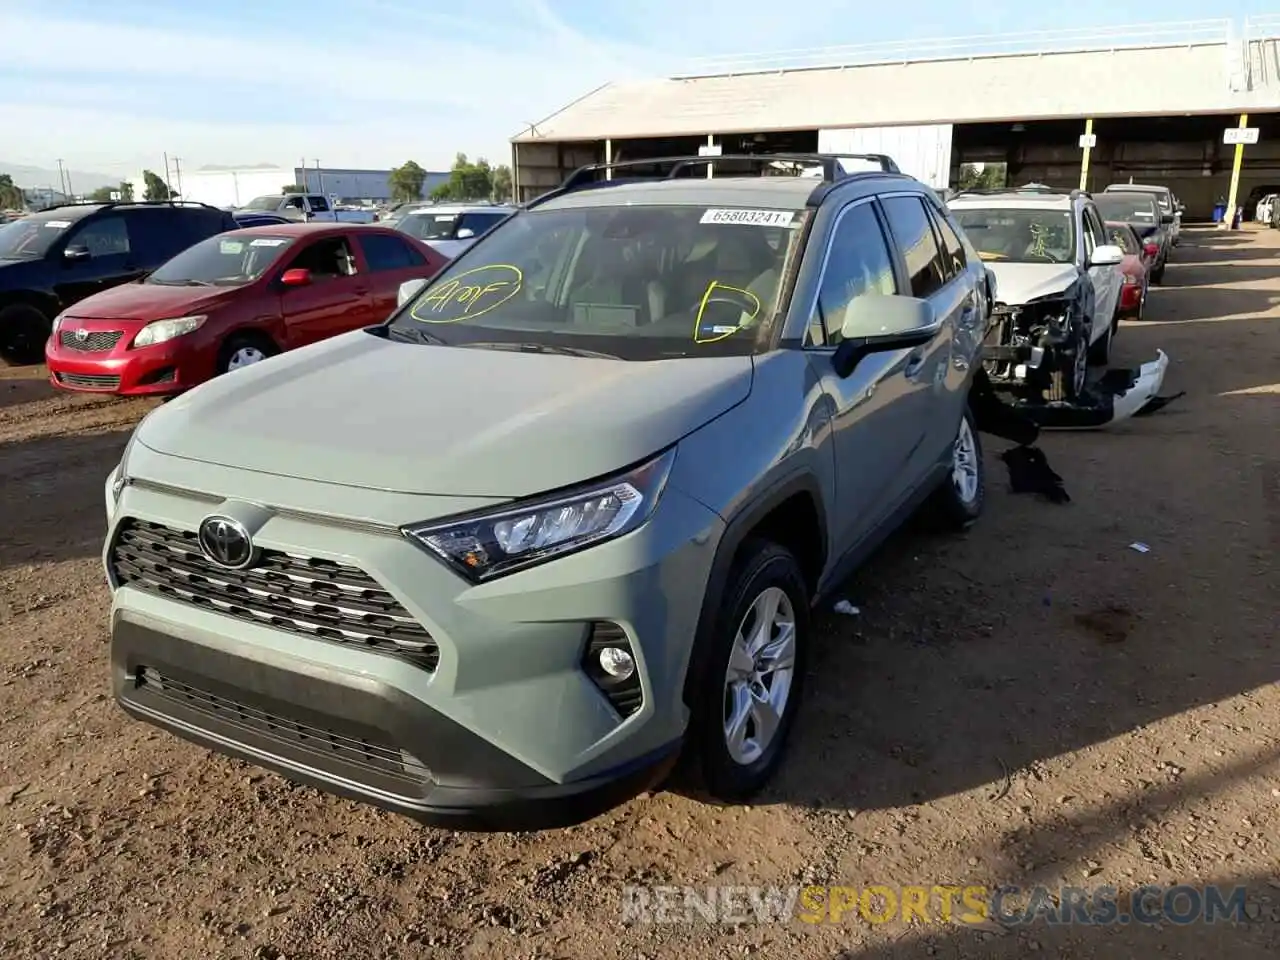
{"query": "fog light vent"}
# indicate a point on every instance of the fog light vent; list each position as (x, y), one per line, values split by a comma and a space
(610, 662)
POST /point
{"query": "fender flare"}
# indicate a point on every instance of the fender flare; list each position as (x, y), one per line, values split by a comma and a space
(737, 530)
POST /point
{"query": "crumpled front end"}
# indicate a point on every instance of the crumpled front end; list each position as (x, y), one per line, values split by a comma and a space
(1026, 340)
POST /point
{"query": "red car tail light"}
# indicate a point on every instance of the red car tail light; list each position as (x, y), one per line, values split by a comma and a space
(1151, 249)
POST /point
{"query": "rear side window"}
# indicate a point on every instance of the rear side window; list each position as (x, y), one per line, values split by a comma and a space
(388, 253)
(916, 241)
(858, 263)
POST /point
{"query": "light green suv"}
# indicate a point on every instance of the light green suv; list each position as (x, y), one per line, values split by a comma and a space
(499, 562)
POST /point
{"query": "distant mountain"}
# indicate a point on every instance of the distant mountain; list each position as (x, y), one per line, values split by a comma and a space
(81, 180)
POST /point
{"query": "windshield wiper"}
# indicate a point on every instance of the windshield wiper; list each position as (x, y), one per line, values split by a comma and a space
(413, 335)
(180, 283)
(543, 348)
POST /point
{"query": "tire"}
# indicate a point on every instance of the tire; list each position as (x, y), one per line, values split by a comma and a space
(23, 332)
(763, 574)
(239, 348)
(1100, 352)
(1066, 381)
(957, 503)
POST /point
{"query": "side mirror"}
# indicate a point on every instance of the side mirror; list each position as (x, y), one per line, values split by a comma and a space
(408, 290)
(1107, 255)
(296, 278)
(877, 323)
(1168, 218)
(77, 251)
(466, 233)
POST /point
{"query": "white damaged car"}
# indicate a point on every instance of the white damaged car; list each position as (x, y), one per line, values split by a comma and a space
(1058, 286)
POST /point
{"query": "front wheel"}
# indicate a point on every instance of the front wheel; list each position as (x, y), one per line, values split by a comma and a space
(958, 501)
(23, 332)
(1071, 369)
(754, 677)
(243, 350)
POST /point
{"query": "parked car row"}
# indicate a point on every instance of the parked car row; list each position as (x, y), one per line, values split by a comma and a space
(1069, 265)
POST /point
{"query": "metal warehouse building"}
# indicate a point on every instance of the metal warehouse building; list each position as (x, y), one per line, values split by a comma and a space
(1151, 104)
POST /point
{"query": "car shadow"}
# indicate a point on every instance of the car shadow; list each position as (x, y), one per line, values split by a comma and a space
(1042, 631)
(53, 504)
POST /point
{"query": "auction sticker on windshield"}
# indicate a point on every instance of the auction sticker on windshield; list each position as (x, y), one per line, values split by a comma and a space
(752, 218)
(469, 294)
(57, 224)
(268, 242)
(230, 246)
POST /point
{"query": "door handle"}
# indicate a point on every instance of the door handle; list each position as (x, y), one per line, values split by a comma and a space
(914, 363)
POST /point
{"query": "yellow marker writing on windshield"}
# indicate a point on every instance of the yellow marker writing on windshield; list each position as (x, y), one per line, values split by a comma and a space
(744, 300)
(469, 294)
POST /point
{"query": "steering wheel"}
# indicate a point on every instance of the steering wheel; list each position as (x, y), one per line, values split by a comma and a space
(746, 302)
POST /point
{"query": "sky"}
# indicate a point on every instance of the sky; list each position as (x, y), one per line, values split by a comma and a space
(110, 88)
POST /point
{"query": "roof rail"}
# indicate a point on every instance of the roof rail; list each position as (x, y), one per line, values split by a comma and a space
(131, 203)
(1033, 189)
(832, 168)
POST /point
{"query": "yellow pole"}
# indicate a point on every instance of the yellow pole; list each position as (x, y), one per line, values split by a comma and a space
(1230, 217)
(1084, 163)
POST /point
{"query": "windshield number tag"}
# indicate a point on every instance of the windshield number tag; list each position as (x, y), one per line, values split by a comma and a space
(751, 218)
(57, 224)
(267, 242)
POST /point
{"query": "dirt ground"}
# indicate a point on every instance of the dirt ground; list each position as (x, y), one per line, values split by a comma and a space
(1034, 703)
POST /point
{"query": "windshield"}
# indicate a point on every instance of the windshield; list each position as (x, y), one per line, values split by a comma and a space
(1127, 207)
(223, 261)
(263, 203)
(30, 239)
(633, 282)
(1020, 235)
(426, 225)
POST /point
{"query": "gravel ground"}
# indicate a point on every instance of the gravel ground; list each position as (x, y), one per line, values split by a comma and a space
(1034, 703)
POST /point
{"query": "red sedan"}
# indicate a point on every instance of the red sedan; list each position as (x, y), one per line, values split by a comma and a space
(230, 301)
(1139, 257)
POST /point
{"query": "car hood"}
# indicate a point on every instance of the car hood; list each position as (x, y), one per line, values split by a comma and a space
(362, 411)
(1022, 282)
(148, 301)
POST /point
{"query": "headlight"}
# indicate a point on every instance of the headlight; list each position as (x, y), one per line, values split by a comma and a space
(162, 330)
(492, 543)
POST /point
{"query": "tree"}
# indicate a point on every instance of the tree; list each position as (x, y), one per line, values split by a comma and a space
(467, 181)
(406, 182)
(11, 197)
(503, 186)
(103, 194)
(154, 187)
(985, 176)
(292, 188)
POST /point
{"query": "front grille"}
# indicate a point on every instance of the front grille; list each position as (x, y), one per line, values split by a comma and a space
(302, 595)
(365, 749)
(96, 342)
(89, 381)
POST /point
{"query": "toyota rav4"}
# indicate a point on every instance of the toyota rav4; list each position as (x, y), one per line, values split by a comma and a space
(500, 561)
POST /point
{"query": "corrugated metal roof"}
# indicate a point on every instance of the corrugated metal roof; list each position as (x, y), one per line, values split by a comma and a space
(1192, 77)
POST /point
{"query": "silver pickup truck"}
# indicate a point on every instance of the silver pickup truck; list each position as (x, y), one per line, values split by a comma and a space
(304, 206)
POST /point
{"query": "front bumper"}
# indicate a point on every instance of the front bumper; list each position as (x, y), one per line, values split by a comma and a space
(505, 731)
(351, 735)
(159, 370)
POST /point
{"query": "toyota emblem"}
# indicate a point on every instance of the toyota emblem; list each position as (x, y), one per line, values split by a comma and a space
(227, 543)
(82, 336)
